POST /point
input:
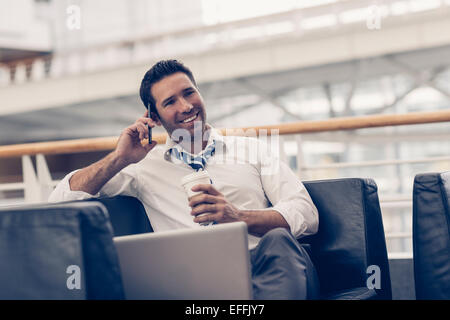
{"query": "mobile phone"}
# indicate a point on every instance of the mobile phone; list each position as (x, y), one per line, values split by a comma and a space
(149, 128)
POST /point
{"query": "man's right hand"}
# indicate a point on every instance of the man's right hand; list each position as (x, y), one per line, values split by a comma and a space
(129, 148)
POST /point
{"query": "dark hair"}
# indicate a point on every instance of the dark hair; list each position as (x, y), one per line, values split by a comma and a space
(159, 71)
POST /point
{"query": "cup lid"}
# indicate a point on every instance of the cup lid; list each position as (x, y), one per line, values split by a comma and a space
(198, 175)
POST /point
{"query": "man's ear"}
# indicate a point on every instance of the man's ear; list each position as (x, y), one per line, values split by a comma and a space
(155, 118)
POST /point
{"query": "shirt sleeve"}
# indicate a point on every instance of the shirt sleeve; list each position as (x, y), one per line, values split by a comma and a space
(123, 183)
(287, 194)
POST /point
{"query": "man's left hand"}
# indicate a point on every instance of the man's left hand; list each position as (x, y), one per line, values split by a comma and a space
(214, 205)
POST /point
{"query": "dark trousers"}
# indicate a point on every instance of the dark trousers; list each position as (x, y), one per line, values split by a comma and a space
(282, 269)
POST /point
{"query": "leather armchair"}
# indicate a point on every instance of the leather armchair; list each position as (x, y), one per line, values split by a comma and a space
(431, 235)
(58, 251)
(349, 240)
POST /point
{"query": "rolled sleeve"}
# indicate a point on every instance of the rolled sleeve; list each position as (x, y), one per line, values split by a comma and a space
(62, 191)
(123, 183)
(300, 215)
(288, 195)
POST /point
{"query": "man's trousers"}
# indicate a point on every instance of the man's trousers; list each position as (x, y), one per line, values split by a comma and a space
(282, 269)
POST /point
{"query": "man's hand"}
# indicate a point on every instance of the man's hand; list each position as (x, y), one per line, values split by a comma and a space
(129, 148)
(217, 208)
(214, 204)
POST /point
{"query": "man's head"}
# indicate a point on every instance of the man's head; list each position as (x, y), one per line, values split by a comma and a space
(170, 90)
(156, 73)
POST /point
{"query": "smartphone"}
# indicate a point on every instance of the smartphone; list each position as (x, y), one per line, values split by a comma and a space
(149, 128)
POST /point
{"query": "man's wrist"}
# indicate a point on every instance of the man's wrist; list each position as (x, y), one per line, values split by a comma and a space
(117, 161)
(260, 221)
(245, 216)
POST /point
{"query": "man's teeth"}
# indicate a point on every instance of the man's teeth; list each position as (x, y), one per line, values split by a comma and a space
(190, 119)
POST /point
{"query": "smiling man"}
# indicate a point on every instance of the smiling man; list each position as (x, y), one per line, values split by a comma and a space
(276, 207)
(180, 108)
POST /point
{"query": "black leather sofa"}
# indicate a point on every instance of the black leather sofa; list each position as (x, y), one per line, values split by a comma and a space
(127, 215)
(58, 251)
(350, 239)
(431, 235)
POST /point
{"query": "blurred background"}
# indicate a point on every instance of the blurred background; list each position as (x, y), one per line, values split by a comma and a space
(72, 69)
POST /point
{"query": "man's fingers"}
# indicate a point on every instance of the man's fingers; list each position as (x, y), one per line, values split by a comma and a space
(208, 188)
(204, 208)
(206, 217)
(142, 129)
(146, 121)
(202, 198)
(132, 131)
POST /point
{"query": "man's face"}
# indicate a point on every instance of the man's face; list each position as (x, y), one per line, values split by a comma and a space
(179, 104)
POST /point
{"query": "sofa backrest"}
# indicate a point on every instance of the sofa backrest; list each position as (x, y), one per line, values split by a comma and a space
(127, 215)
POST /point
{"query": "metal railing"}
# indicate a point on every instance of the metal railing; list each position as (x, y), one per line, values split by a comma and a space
(37, 183)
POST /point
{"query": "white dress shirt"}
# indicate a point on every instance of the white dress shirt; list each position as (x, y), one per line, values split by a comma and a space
(242, 169)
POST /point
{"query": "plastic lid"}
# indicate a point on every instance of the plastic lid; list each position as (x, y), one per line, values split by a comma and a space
(199, 175)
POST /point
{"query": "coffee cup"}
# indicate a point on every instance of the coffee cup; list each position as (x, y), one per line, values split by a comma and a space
(193, 179)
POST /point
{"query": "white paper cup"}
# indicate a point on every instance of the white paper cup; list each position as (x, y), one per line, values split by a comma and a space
(193, 179)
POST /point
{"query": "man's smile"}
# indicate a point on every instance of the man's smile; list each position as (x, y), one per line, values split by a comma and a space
(190, 119)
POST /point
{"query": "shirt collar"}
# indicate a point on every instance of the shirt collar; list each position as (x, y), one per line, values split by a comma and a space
(214, 136)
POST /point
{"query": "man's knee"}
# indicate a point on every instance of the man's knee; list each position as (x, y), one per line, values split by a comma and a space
(278, 233)
(281, 243)
(280, 252)
(279, 239)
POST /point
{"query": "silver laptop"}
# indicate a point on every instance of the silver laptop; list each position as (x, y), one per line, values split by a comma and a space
(204, 263)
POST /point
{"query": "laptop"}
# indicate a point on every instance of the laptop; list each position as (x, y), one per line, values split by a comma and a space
(209, 263)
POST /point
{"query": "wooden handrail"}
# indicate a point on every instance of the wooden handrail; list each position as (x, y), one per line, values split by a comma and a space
(336, 124)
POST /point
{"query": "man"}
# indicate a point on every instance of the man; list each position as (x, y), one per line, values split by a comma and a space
(274, 203)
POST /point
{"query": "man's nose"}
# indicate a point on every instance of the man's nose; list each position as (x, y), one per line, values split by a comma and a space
(186, 106)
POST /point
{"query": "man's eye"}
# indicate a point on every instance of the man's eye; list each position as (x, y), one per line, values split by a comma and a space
(169, 103)
(188, 93)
